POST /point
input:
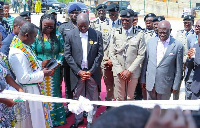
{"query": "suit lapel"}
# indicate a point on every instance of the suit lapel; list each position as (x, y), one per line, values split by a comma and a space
(78, 40)
(169, 49)
(92, 38)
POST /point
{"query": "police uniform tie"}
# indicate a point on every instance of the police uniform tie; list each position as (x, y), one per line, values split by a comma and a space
(113, 24)
(127, 33)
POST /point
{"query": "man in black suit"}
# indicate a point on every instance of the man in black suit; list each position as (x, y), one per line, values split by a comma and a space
(17, 23)
(84, 53)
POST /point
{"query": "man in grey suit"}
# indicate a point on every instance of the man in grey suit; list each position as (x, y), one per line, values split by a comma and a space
(163, 64)
(84, 53)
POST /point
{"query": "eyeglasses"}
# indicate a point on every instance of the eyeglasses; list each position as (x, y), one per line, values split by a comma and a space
(50, 27)
(197, 26)
(127, 20)
(189, 23)
(115, 15)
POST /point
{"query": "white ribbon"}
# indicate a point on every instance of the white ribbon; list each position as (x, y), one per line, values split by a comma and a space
(83, 104)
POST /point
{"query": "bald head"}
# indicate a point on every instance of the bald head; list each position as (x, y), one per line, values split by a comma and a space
(83, 17)
(164, 30)
(165, 24)
(83, 22)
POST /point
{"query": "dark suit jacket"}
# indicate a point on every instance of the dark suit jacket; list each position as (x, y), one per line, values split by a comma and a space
(194, 64)
(74, 54)
(6, 44)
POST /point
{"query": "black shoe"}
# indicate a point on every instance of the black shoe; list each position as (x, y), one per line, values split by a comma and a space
(68, 113)
(88, 125)
(85, 114)
(75, 125)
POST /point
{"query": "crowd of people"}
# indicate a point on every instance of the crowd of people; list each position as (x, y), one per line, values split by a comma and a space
(135, 64)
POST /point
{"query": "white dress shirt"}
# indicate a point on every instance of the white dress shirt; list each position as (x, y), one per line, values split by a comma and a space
(84, 40)
(161, 49)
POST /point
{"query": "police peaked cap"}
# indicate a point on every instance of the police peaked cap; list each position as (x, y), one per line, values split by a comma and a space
(101, 6)
(136, 14)
(113, 7)
(158, 18)
(149, 15)
(25, 14)
(127, 13)
(189, 17)
(74, 7)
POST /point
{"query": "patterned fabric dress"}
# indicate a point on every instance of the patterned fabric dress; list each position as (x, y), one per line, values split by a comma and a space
(52, 83)
(7, 117)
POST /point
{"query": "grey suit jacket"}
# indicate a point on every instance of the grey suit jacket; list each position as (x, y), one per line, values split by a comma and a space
(74, 54)
(167, 75)
(191, 40)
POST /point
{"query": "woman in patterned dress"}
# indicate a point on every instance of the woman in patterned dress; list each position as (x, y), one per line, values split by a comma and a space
(49, 45)
(7, 116)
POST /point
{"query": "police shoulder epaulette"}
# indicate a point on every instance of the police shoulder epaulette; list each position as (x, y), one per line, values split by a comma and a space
(135, 30)
(97, 21)
(120, 30)
(138, 29)
(119, 22)
(107, 21)
(192, 31)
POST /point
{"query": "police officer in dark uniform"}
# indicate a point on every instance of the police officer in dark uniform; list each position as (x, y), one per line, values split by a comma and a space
(26, 15)
(74, 11)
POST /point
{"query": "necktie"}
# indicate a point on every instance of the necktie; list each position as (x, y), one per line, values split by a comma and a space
(126, 32)
(113, 24)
